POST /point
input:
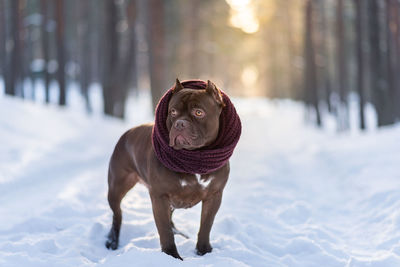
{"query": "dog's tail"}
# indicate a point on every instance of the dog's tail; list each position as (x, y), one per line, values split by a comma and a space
(176, 231)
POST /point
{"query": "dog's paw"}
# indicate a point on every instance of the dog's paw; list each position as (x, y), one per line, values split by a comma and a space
(172, 251)
(112, 244)
(112, 239)
(202, 249)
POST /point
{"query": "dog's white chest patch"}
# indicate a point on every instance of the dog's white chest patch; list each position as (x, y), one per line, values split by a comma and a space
(183, 183)
(202, 182)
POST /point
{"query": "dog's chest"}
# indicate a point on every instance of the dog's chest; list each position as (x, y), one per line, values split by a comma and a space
(199, 181)
(192, 189)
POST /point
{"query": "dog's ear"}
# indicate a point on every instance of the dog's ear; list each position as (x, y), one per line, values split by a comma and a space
(215, 92)
(178, 86)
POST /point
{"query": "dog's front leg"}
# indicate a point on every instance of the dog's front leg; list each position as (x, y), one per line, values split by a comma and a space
(209, 209)
(161, 212)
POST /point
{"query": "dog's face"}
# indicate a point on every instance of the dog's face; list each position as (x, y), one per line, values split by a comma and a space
(193, 116)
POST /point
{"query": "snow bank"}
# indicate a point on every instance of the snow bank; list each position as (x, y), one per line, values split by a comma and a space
(296, 196)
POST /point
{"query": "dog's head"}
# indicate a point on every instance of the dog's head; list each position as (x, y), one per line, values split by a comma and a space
(193, 116)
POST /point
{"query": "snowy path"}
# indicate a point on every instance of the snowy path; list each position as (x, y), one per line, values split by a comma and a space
(296, 196)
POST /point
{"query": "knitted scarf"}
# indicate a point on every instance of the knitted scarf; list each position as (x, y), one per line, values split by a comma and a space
(203, 160)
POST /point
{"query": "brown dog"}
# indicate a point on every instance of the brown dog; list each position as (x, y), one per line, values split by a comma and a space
(193, 121)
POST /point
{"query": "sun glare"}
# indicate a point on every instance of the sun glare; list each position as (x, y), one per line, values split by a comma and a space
(249, 79)
(242, 15)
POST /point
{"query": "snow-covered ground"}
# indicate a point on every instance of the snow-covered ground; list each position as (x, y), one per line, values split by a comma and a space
(296, 196)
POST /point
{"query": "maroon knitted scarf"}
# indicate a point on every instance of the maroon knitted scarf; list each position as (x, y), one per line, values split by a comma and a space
(206, 159)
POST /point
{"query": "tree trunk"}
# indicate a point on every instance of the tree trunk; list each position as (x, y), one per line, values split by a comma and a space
(192, 44)
(360, 60)
(390, 61)
(13, 77)
(84, 48)
(110, 50)
(396, 41)
(377, 73)
(45, 49)
(311, 86)
(341, 68)
(273, 63)
(129, 70)
(132, 70)
(3, 37)
(119, 58)
(156, 41)
(96, 40)
(125, 64)
(324, 50)
(287, 21)
(60, 52)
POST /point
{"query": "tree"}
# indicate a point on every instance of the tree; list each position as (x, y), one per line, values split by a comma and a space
(110, 52)
(156, 41)
(341, 67)
(396, 22)
(390, 63)
(84, 49)
(287, 24)
(393, 53)
(13, 75)
(323, 35)
(311, 86)
(360, 60)
(131, 72)
(45, 47)
(119, 58)
(61, 52)
(2, 39)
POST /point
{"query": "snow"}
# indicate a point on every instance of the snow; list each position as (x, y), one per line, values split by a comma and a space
(297, 196)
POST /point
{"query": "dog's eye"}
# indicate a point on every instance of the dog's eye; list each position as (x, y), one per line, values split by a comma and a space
(198, 113)
(173, 112)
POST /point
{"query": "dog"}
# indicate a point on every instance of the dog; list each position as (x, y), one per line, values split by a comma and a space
(192, 123)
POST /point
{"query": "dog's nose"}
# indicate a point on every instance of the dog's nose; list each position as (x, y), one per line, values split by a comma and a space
(180, 124)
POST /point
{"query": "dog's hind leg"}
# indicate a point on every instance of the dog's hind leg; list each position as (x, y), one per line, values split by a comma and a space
(174, 230)
(118, 186)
